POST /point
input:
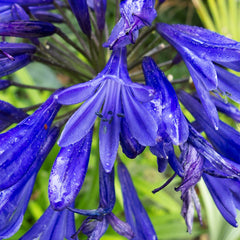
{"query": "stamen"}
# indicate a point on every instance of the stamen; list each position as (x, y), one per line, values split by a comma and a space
(99, 114)
(121, 115)
(165, 184)
(7, 55)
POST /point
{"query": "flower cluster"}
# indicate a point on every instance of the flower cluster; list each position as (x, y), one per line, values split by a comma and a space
(115, 109)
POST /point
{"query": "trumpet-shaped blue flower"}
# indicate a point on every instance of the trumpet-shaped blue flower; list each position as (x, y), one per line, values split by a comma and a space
(110, 96)
(136, 215)
(134, 15)
(68, 173)
(14, 200)
(20, 146)
(204, 52)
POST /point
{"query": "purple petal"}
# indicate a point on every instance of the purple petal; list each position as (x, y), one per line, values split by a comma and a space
(136, 215)
(100, 9)
(4, 84)
(173, 118)
(110, 126)
(68, 173)
(219, 189)
(78, 93)
(141, 124)
(207, 103)
(80, 10)
(120, 227)
(229, 84)
(10, 113)
(17, 48)
(189, 200)
(227, 108)
(130, 146)
(18, 13)
(82, 120)
(96, 229)
(27, 29)
(225, 139)
(51, 225)
(14, 200)
(205, 43)
(142, 93)
(24, 142)
(8, 66)
(27, 2)
(48, 17)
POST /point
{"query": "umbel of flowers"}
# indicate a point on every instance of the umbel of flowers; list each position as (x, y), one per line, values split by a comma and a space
(114, 109)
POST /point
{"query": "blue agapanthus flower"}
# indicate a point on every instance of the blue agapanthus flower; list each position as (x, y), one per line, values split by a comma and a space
(111, 96)
(100, 97)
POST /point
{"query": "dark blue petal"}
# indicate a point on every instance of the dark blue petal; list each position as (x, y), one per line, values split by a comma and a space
(27, 2)
(110, 126)
(229, 84)
(94, 229)
(130, 146)
(3, 85)
(11, 114)
(82, 120)
(227, 108)
(8, 66)
(136, 215)
(100, 9)
(205, 43)
(119, 226)
(18, 13)
(48, 17)
(220, 190)
(173, 118)
(80, 10)
(14, 200)
(27, 29)
(225, 139)
(79, 92)
(20, 146)
(216, 160)
(68, 173)
(141, 124)
(16, 48)
(190, 199)
(106, 189)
